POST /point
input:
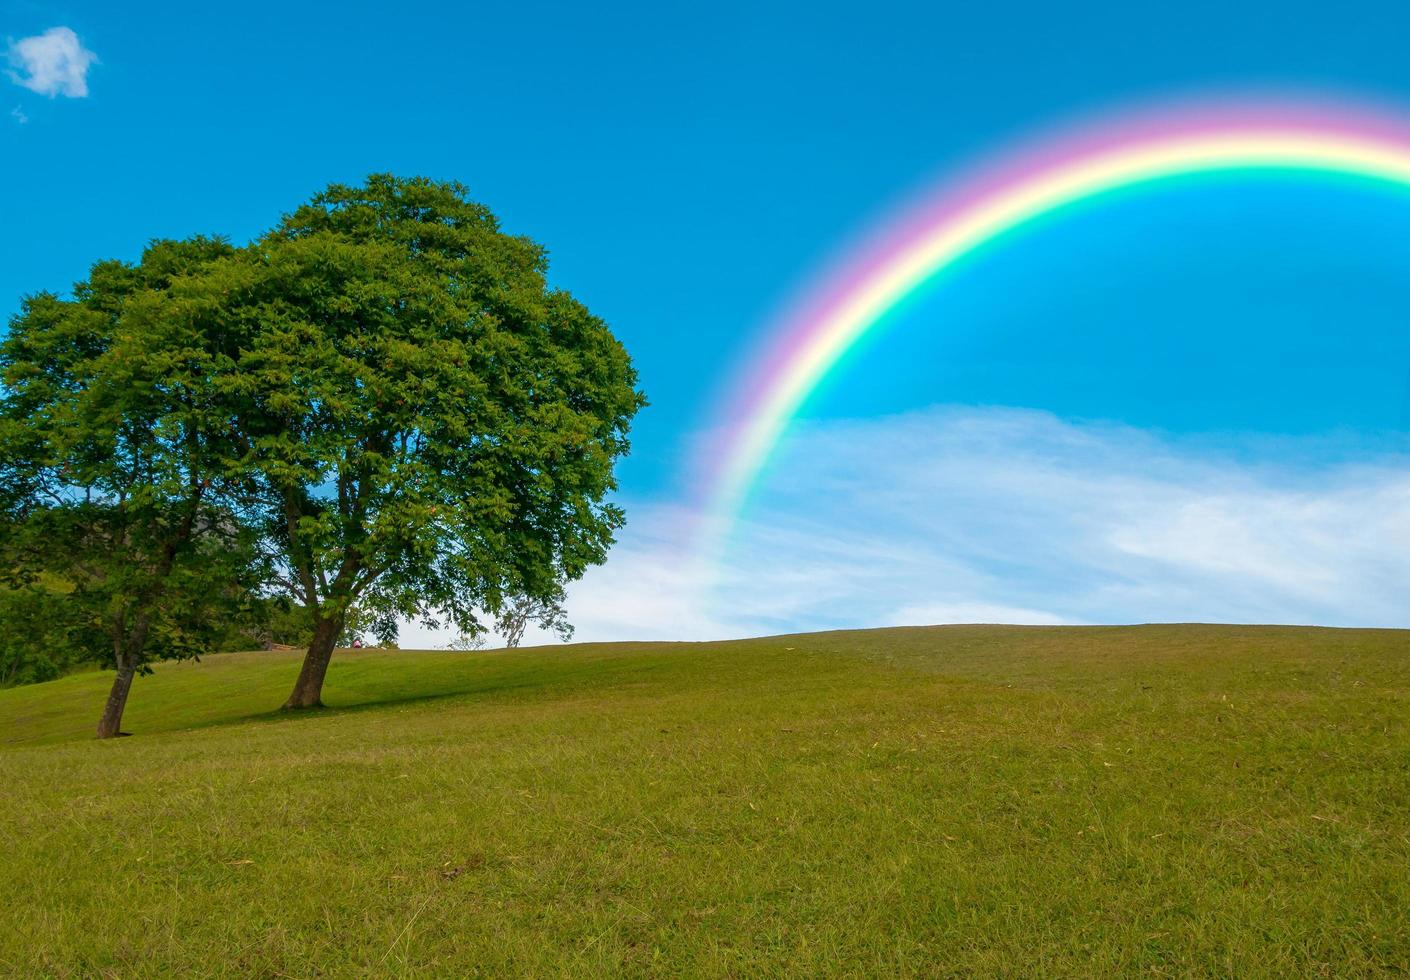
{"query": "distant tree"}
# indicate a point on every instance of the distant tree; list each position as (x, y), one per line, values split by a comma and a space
(464, 642)
(362, 625)
(434, 427)
(518, 612)
(273, 621)
(117, 471)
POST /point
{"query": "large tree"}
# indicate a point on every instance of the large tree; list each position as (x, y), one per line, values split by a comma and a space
(434, 427)
(118, 473)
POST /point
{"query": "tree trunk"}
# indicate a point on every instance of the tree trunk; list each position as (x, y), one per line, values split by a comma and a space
(110, 726)
(308, 689)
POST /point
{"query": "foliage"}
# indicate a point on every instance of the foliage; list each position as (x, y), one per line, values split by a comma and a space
(39, 639)
(365, 626)
(519, 612)
(117, 467)
(271, 620)
(381, 406)
(433, 426)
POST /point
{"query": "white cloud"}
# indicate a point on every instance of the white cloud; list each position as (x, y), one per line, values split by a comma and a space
(52, 63)
(998, 515)
(1015, 516)
(17, 114)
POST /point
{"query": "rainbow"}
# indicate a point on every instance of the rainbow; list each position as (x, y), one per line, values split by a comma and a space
(854, 294)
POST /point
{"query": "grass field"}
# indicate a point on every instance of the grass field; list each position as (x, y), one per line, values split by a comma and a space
(1165, 800)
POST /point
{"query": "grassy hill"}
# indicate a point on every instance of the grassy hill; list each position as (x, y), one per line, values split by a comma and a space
(999, 800)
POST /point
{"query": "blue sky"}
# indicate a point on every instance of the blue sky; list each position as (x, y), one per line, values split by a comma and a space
(688, 166)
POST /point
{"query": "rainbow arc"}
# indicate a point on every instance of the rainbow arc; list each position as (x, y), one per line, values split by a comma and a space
(851, 297)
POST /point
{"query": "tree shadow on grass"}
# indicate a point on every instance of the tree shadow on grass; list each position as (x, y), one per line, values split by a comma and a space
(360, 683)
(544, 682)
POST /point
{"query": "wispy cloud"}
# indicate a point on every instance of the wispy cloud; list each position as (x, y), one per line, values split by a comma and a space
(52, 63)
(1014, 516)
(17, 114)
(1017, 516)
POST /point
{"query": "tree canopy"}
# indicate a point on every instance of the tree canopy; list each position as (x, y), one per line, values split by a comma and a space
(432, 426)
(117, 469)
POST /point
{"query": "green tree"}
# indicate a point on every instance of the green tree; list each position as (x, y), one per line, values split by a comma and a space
(434, 427)
(546, 612)
(271, 620)
(118, 473)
